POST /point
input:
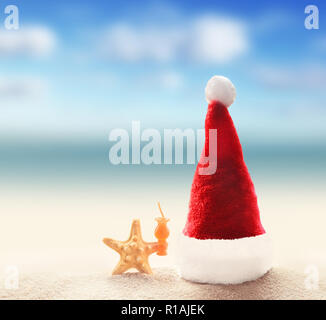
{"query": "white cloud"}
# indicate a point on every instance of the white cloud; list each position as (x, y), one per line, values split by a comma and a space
(124, 42)
(23, 87)
(218, 40)
(30, 41)
(304, 77)
(207, 39)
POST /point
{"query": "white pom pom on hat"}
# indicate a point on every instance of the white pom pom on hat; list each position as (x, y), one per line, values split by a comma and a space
(220, 89)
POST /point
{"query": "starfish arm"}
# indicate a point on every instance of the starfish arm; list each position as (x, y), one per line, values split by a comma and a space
(135, 229)
(120, 268)
(144, 267)
(152, 247)
(113, 244)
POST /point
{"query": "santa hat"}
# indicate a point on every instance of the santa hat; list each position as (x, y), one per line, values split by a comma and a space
(223, 240)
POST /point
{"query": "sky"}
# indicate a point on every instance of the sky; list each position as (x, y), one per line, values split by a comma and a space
(77, 69)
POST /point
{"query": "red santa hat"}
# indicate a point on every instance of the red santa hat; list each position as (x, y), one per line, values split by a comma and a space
(223, 240)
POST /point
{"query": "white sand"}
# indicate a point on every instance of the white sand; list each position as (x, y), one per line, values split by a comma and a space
(48, 234)
(164, 284)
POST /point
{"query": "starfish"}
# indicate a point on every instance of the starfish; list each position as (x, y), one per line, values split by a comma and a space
(134, 252)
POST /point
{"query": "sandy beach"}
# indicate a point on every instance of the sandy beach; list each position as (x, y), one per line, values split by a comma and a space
(164, 284)
(59, 254)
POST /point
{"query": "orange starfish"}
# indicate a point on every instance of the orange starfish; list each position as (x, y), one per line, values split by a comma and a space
(134, 252)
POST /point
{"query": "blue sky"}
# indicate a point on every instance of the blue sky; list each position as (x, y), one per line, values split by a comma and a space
(81, 68)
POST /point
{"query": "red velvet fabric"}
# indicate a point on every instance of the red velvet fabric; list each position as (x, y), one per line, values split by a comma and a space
(223, 205)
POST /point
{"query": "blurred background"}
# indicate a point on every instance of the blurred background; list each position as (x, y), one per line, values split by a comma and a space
(75, 70)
